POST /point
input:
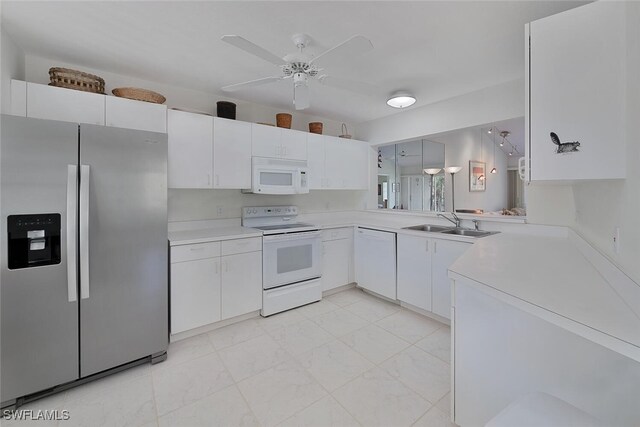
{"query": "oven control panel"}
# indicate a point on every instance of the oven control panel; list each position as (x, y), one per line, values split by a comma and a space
(269, 211)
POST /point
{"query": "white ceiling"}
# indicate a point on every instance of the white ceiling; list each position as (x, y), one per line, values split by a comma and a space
(435, 49)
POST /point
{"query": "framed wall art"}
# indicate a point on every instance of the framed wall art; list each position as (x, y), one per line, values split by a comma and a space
(477, 176)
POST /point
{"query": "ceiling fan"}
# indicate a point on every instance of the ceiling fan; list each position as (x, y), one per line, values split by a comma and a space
(301, 67)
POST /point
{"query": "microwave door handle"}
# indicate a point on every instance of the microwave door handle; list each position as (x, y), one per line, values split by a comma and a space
(298, 181)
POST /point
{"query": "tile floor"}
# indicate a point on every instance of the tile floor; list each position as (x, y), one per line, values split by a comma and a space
(348, 360)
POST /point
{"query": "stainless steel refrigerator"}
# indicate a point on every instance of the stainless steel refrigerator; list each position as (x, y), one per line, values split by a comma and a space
(84, 283)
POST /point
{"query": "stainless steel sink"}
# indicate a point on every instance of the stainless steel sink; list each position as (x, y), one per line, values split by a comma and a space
(470, 233)
(429, 227)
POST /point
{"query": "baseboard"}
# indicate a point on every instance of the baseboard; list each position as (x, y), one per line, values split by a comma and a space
(213, 326)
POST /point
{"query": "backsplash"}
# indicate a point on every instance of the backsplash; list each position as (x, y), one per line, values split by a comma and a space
(192, 205)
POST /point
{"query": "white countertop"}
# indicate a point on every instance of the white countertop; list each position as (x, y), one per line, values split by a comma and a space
(186, 232)
(186, 237)
(551, 277)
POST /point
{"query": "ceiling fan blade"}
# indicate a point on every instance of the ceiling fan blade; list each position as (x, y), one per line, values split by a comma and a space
(350, 85)
(253, 49)
(301, 96)
(251, 83)
(356, 45)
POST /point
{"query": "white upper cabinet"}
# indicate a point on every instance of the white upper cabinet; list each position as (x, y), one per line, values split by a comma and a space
(315, 163)
(357, 154)
(67, 105)
(346, 164)
(130, 114)
(270, 141)
(18, 98)
(294, 144)
(190, 150)
(575, 80)
(231, 154)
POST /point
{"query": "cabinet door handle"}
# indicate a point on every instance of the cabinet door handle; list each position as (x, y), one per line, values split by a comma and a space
(427, 246)
(217, 269)
(208, 179)
(226, 266)
(435, 247)
(217, 180)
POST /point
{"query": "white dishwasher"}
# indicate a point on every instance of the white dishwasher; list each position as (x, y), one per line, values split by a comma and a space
(375, 261)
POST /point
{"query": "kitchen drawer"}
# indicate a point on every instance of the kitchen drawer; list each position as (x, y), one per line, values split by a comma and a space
(239, 246)
(196, 251)
(337, 233)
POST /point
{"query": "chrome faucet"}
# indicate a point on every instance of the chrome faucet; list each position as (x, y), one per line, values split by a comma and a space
(456, 221)
(476, 224)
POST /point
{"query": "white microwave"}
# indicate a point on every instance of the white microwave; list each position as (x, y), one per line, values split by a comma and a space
(278, 176)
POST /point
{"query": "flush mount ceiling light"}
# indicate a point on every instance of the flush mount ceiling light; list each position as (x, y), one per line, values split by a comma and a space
(401, 100)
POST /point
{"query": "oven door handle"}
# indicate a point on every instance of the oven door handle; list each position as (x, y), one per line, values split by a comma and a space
(292, 236)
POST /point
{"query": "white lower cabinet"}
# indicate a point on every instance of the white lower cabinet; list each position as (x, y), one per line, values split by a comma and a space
(241, 284)
(422, 272)
(195, 294)
(337, 257)
(375, 261)
(214, 281)
(414, 271)
(445, 252)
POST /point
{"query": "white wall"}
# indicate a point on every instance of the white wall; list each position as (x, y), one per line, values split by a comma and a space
(187, 205)
(487, 105)
(12, 66)
(37, 71)
(602, 206)
(461, 147)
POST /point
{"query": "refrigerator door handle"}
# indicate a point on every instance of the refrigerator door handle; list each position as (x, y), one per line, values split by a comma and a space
(84, 231)
(72, 226)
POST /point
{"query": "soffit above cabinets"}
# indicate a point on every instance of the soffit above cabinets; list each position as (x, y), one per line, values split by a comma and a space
(441, 49)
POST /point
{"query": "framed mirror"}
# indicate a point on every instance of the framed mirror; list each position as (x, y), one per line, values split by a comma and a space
(411, 177)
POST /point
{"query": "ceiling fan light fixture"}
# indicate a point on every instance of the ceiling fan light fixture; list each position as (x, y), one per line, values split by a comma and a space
(401, 100)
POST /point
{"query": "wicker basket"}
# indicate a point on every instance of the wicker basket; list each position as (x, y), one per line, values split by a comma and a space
(283, 120)
(139, 94)
(315, 127)
(74, 79)
(345, 132)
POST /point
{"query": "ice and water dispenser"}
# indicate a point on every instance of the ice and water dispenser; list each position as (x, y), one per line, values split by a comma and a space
(34, 240)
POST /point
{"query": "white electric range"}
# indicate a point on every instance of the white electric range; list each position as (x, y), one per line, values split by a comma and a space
(291, 257)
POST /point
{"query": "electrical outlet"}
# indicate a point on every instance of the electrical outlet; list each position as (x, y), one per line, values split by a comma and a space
(220, 211)
(616, 240)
